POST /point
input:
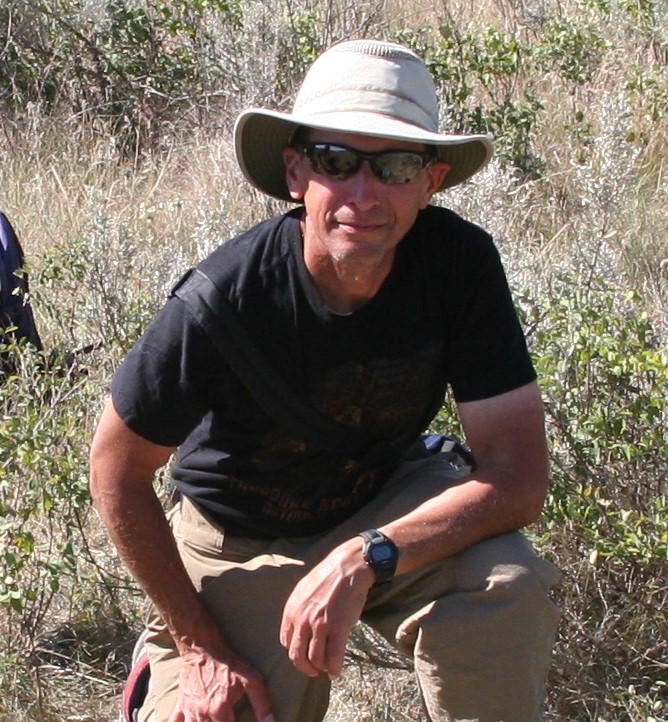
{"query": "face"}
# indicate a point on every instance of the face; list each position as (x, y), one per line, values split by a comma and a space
(359, 220)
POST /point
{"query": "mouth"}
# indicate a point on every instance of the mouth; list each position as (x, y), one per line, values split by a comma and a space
(355, 226)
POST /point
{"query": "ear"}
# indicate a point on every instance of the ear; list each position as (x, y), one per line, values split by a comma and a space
(436, 174)
(294, 176)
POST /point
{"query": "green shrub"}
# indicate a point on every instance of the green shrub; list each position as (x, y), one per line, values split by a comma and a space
(479, 75)
(604, 375)
(133, 65)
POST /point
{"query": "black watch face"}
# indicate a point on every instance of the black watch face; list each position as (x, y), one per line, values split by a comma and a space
(381, 553)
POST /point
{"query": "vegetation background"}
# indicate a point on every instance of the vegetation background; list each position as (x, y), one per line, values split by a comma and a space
(117, 170)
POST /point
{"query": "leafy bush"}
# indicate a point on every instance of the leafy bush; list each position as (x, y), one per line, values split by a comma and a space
(604, 374)
(133, 65)
(108, 294)
(51, 575)
(479, 72)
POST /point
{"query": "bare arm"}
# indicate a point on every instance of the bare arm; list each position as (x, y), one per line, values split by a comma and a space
(122, 469)
(505, 493)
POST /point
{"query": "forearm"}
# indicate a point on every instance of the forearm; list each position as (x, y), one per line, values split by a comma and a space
(213, 677)
(140, 532)
(329, 600)
(504, 493)
(122, 469)
(464, 514)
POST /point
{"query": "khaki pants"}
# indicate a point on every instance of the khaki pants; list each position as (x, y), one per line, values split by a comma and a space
(479, 626)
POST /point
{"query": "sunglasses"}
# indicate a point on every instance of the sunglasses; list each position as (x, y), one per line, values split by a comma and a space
(392, 167)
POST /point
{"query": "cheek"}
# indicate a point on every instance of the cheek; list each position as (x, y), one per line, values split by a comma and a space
(408, 201)
(423, 199)
(423, 194)
(319, 198)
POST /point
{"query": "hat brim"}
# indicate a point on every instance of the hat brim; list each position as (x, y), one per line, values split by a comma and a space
(261, 135)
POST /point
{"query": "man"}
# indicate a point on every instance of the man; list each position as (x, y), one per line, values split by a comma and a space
(368, 301)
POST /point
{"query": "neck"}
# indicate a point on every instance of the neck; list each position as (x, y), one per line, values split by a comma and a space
(345, 288)
(346, 275)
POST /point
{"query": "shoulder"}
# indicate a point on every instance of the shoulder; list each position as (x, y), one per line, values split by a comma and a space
(438, 224)
(261, 250)
(442, 238)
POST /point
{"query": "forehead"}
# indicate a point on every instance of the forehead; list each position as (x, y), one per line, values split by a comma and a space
(363, 143)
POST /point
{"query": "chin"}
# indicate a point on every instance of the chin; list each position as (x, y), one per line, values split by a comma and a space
(358, 253)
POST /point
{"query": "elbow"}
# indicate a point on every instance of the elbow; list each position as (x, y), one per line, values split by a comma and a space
(94, 476)
(531, 514)
(530, 500)
(103, 469)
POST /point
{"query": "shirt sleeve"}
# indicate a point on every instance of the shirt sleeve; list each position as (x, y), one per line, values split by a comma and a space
(488, 354)
(164, 387)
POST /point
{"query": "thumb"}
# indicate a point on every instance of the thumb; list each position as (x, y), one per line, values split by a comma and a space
(258, 697)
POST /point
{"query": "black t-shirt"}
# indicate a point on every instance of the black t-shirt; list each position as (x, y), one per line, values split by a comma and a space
(444, 315)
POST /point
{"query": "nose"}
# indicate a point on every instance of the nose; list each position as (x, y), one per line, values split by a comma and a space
(363, 188)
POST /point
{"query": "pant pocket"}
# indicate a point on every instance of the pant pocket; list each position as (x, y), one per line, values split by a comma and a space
(193, 530)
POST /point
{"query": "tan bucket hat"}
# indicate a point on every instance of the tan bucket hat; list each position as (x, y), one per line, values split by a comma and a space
(367, 87)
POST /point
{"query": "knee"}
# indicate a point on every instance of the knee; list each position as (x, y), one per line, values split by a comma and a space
(505, 602)
(506, 565)
(496, 589)
(492, 633)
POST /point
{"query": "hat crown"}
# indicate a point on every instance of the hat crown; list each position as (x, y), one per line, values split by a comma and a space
(370, 76)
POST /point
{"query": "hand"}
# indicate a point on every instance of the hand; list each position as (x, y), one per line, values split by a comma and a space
(210, 686)
(323, 608)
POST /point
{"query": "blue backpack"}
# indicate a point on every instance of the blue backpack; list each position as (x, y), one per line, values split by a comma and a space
(16, 317)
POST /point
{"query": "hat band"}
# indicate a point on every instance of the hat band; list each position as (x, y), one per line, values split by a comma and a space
(376, 103)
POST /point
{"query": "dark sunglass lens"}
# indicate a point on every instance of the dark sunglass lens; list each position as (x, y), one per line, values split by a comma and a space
(393, 167)
(397, 168)
(333, 161)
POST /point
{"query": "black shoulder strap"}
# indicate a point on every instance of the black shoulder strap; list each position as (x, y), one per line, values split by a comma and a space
(214, 314)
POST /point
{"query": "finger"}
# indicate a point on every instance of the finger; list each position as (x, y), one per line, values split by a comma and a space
(298, 653)
(285, 633)
(336, 652)
(257, 695)
(317, 649)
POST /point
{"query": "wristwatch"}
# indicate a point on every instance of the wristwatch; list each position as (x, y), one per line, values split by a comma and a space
(381, 554)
